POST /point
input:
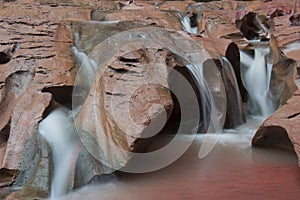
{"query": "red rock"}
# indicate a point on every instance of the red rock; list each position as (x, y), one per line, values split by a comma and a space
(281, 130)
(151, 17)
(119, 91)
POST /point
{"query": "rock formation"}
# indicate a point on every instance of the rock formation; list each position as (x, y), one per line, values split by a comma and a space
(7, 54)
(57, 36)
(281, 130)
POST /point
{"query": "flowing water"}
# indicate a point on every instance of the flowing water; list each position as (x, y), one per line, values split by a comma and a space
(59, 131)
(256, 79)
(233, 170)
(187, 25)
(197, 72)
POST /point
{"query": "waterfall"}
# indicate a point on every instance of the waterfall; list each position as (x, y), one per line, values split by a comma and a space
(212, 112)
(187, 25)
(256, 78)
(197, 72)
(59, 131)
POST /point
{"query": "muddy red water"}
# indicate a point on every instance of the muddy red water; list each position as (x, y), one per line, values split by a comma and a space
(233, 170)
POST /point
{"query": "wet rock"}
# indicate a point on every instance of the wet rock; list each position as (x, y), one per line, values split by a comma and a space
(233, 55)
(231, 75)
(104, 178)
(88, 168)
(281, 130)
(235, 114)
(283, 76)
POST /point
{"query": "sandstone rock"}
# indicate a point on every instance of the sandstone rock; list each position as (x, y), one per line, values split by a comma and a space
(31, 106)
(150, 17)
(227, 5)
(174, 5)
(254, 26)
(44, 60)
(295, 20)
(284, 72)
(233, 55)
(47, 29)
(231, 76)
(118, 90)
(235, 114)
(281, 130)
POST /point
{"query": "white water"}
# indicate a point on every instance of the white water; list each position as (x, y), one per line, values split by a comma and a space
(58, 129)
(186, 22)
(213, 114)
(88, 65)
(197, 72)
(256, 78)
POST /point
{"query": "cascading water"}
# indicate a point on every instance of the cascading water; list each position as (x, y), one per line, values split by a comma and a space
(256, 78)
(187, 25)
(213, 111)
(197, 72)
(59, 131)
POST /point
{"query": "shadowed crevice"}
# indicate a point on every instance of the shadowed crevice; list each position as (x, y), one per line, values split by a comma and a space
(61, 94)
(273, 137)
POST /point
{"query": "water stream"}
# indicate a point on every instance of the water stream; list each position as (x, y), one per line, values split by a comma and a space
(234, 170)
(187, 25)
(256, 77)
(58, 129)
(197, 72)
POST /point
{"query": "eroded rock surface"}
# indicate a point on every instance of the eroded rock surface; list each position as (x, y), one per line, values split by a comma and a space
(130, 96)
(44, 64)
(282, 129)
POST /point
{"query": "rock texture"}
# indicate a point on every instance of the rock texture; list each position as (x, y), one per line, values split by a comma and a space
(151, 17)
(125, 108)
(282, 129)
(44, 69)
(43, 60)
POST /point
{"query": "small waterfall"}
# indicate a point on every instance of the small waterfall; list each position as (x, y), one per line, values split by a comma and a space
(88, 65)
(59, 131)
(212, 112)
(256, 78)
(188, 25)
(197, 72)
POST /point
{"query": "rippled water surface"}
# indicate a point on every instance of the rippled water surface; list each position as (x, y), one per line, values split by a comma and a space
(233, 170)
